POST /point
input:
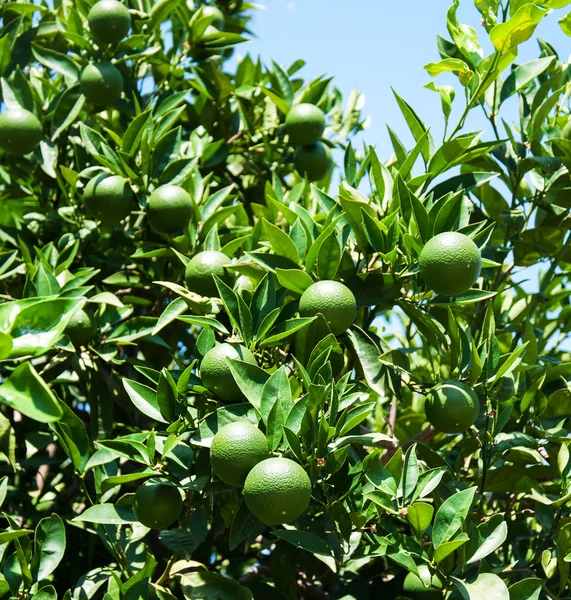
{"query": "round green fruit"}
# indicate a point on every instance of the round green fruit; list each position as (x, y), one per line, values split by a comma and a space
(414, 587)
(333, 300)
(157, 504)
(169, 209)
(108, 198)
(566, 131)
(101, 83)
(20, 131)
(452, 407)
(215, 371)
(200, 271)
(109, 21)
(81, 329)
(277, 490)
(236, 449)
(450, 263)
(313, 162)
(305, 124)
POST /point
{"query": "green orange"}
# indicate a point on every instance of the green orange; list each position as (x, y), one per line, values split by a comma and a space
(169, 208)
(101, 83)
(450, 263)
(277, 490)
(215, 370)
(452, 407)
(81, 329)
(200, 271)
(109, 21)
(235, 449)
(313, 162)
(333, 300)
(157, 504)
(305, 124)
(20, 131)
(108, 198)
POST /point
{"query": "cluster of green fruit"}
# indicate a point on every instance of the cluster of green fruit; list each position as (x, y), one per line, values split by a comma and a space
(276, 490)
(304, 125)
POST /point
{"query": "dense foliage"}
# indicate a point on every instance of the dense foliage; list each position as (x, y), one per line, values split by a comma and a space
(108, 308)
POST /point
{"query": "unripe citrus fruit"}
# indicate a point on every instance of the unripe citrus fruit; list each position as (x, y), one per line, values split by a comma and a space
(235, 449)
(80, 329)
(215, 371)
(277, 490)
(216, 14)
(314, 162)
(108, 198)
(109, 21)
(333, 300)
(450, 263)
(20, 131)
(157, 504)
(414, 587)
(200, 271)
(101, 83)
(305, 124)
(452, 407)
(169, 208)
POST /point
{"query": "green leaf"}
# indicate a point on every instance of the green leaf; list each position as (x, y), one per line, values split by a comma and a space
(524, 74)
(356, 415)
(469, 297)
(526, 589)
(243, 526)
(49, 547)
(328, 257)
(451, 65)
(276, 389)
(285, 330)
(368, 355)
(447, 548)
(295, 280)
(8, 536)
(419, 515)
(171, 312)
(486, 586)
(281, 243)
(202, 585)
(517, 29)
(36, 324)
(491, 543)
(451, 516)
(26, 392)
(250, 379)
(107, 514)
(61, 63)
(161, 11)
(416, 126)
(410, 472)
(145, 399)
(511, 362)
(304, 540)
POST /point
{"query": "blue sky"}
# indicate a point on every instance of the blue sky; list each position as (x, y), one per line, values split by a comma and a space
(372, 45)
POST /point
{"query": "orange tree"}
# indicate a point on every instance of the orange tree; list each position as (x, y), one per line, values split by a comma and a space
(388, 408)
